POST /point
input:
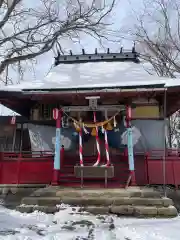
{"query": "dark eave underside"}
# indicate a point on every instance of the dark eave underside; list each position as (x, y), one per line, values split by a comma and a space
(21, 102)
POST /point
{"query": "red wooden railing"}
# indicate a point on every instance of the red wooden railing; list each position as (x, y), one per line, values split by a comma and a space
(26, 167)
(37, 167)
(27, 154)
(159, 160)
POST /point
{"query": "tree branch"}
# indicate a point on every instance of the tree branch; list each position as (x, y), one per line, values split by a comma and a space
(36, 31)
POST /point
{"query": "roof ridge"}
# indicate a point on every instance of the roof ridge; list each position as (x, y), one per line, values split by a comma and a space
(121, 56)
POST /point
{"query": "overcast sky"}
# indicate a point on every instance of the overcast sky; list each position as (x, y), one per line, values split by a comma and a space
(120, 16)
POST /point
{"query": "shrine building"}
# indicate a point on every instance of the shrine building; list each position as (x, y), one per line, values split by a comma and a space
(96, 120)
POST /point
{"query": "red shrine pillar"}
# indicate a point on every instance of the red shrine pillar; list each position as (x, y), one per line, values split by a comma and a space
(57, 115)
(130, 146)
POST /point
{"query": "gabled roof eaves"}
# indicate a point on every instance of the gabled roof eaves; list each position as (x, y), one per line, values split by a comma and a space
(96, 89)
(7, 93)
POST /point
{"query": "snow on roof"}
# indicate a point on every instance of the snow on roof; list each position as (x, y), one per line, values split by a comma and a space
(95, 75)
(4, 111)
(21, 86)
(99, 74)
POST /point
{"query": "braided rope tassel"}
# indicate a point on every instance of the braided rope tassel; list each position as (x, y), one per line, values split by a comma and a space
(85, 130)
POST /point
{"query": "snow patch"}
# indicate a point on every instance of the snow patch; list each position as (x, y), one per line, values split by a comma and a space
(69, 225)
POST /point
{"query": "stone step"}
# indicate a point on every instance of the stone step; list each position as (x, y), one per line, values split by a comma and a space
(94, 192)
(97, 201)
(133, 201)
(108, 193)
(32, 208)
(123, 210)
(144, 211)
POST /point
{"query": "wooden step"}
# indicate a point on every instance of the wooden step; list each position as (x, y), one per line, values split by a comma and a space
(68, 178)
(117, 165)
(73, 161)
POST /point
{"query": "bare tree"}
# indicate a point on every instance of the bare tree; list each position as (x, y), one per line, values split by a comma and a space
(156, 29)
(27, 32)
(174, 130)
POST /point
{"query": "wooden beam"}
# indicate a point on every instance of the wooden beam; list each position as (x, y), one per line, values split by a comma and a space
(87, 108)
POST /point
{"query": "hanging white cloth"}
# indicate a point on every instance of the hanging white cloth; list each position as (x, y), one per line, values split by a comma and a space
(136, 134)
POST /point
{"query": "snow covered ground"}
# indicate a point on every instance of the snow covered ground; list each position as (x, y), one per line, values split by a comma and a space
(68, 224)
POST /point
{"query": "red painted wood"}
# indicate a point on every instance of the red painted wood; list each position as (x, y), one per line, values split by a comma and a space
(25, 170)
(155, 172)
(55, 113)
(141, 170)
(28, 169)
(176, 172)
(155, 167)
(9, 172)
(33, 171)
(13, 120)
(121, 169)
